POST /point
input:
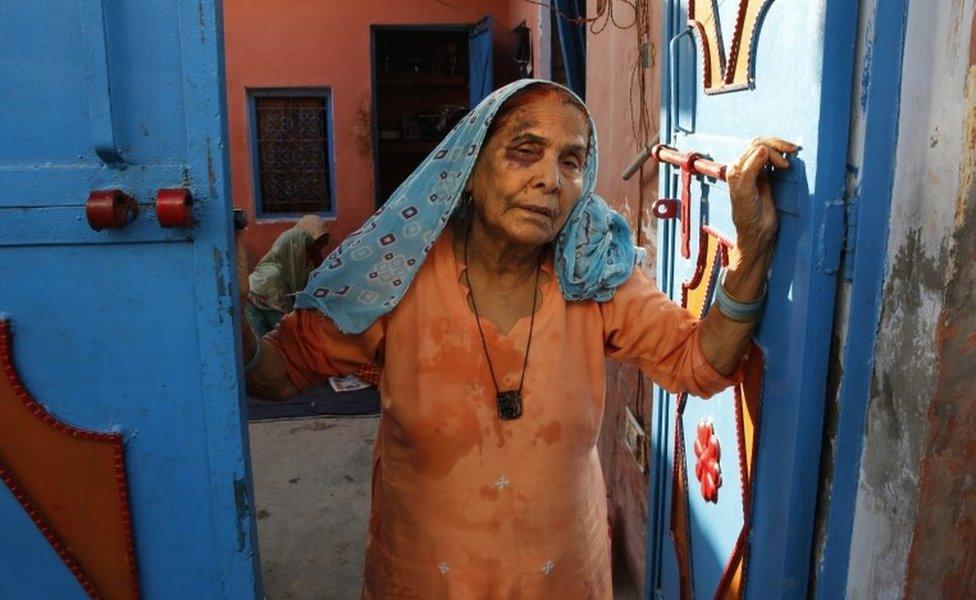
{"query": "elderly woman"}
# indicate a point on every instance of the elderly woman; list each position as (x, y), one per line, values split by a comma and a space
(283, 272)
(490, 288)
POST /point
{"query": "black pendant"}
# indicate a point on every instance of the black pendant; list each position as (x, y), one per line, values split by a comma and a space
(509, 405)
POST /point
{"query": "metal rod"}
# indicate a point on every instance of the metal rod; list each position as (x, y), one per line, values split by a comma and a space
(639, 161)
(700, 166)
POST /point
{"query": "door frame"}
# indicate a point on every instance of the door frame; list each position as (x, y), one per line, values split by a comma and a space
(880, 106)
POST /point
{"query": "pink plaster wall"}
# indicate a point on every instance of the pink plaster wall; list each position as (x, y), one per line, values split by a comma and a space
(309, 43)
(611, 56)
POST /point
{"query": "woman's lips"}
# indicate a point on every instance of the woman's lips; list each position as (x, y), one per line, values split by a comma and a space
(539, 210)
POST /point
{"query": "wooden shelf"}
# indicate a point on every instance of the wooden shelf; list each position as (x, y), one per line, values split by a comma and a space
(407, 146)
(419, 80)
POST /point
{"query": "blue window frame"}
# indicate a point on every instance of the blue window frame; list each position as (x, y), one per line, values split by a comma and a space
(292, 155)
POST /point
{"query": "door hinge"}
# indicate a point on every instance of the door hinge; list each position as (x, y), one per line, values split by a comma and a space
(830, 245)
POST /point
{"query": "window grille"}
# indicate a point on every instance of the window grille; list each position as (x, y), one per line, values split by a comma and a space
(293, 153)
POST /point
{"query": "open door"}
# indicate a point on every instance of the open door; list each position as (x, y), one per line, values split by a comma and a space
(481, 60)
(734, 479)
(123, 453)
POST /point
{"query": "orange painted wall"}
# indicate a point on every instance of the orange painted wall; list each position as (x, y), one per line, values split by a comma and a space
(318, 43)
(611, 57)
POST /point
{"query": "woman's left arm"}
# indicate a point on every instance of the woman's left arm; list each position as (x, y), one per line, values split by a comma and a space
(724, 340)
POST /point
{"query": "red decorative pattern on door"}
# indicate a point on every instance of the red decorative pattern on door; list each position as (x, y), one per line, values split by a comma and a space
(708, 454)
(714, 252)
(72, 484)
(731, 69)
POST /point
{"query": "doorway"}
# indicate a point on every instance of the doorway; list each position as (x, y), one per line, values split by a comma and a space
(421, 89)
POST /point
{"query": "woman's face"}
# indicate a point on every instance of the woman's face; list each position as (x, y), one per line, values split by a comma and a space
(530, 173)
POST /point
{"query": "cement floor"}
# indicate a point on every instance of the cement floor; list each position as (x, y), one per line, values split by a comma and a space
(311, 487)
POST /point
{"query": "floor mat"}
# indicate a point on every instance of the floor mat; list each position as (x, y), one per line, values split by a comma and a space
(318, 401)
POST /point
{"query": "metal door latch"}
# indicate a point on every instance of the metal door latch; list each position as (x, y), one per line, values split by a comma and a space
(174, 207)
(691, 164)
(110, 209)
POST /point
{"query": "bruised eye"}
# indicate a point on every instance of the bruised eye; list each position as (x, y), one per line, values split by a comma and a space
(526, 153)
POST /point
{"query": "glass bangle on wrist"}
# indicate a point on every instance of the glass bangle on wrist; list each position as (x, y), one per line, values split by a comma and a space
(736, 310)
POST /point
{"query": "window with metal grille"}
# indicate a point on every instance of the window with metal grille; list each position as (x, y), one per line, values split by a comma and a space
(293, 153)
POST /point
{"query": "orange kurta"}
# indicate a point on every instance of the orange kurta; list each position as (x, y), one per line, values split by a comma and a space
(466, 505)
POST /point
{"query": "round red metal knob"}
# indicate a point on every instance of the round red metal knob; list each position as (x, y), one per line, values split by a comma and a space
(110, 209)
(174, 207)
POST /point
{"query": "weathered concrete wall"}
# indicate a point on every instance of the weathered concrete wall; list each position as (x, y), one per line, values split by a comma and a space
(313, 43)
(611, 58)
(919, 439)
(942, 561)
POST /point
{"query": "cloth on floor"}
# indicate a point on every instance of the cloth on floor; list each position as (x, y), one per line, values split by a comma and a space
(321, 400)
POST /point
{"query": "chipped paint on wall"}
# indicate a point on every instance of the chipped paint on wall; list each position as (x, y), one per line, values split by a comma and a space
(922, 220)
(942, 560)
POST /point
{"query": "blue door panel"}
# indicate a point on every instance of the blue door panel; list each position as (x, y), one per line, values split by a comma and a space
(145, 62)
(801, 92)
(714, 527)
(48, 61)
(130, 330)
(480, 61)
(45, 110)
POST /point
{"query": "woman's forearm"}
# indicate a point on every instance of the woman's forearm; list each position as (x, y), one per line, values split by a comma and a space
(723, 341)
(268, 379)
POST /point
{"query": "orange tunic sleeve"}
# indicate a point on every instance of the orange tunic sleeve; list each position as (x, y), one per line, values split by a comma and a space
(314, 349)
(643, 327)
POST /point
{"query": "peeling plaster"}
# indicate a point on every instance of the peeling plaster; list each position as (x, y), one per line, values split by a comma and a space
(920, 254)
(943, 554)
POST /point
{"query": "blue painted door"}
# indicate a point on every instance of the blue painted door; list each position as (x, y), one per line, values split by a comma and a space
(481, 63)
(734, 479)
(127, 330)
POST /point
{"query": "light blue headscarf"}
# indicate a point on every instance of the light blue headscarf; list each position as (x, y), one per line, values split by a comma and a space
(367, 275)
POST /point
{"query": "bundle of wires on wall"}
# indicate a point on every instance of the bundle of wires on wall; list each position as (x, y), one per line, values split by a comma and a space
(637, 16)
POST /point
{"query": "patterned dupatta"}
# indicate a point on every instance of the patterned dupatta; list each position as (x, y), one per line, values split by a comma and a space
(367, 275)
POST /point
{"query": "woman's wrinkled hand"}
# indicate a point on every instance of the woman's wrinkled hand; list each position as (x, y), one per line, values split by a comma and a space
(753, 212)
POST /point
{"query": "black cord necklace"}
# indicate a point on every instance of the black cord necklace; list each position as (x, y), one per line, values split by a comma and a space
(510, 402)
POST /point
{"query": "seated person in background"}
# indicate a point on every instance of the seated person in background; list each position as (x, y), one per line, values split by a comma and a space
(284, 271)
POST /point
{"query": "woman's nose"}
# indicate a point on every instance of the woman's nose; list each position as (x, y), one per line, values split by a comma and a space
(548, 176)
